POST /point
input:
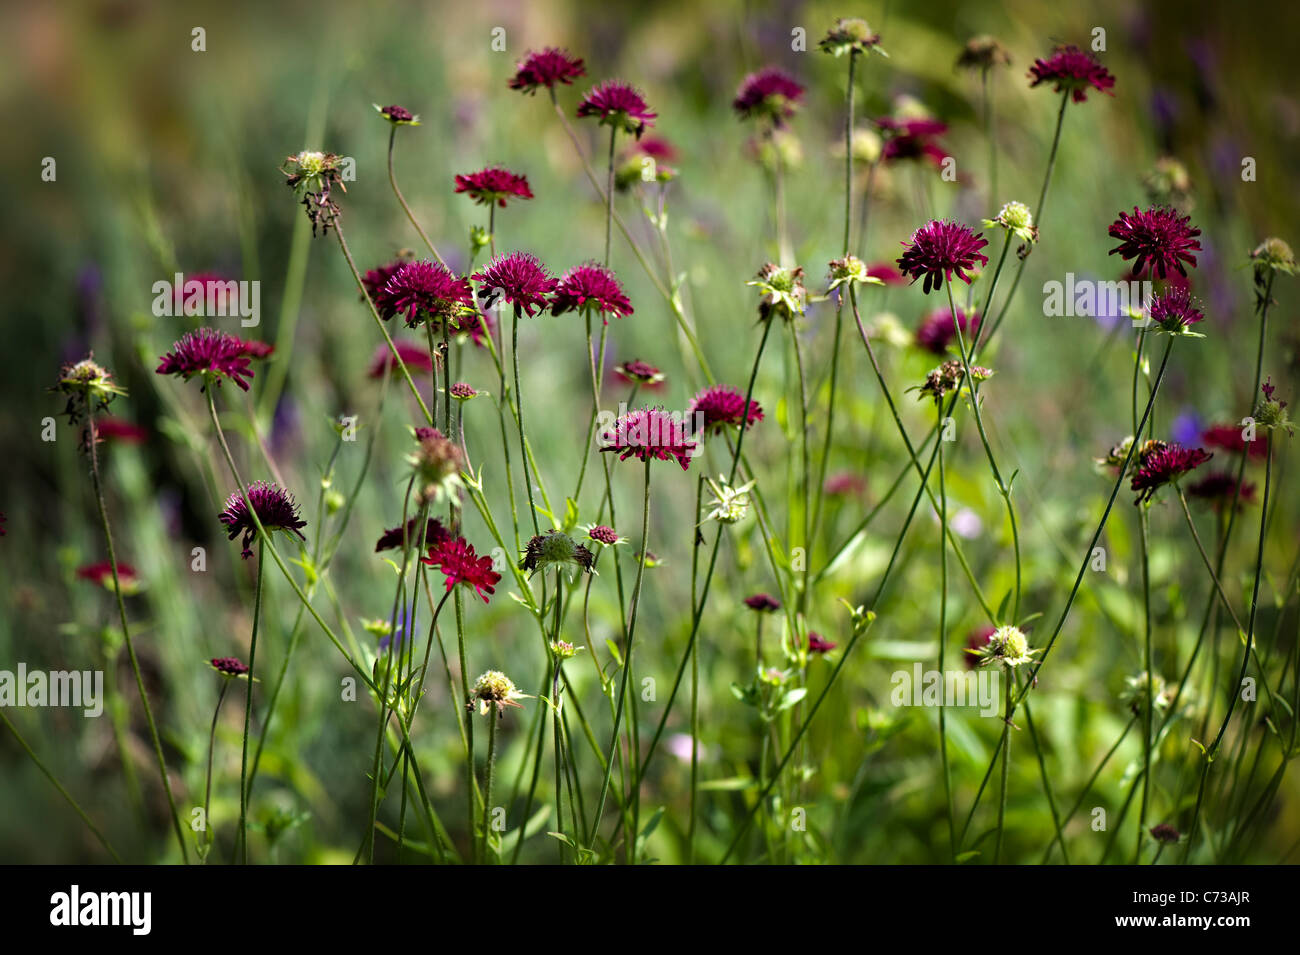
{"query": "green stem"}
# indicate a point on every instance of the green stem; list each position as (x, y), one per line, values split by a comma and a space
(248, 708)
(392, 181)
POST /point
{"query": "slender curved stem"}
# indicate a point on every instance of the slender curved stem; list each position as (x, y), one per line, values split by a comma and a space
(392, 181)
(248, 708)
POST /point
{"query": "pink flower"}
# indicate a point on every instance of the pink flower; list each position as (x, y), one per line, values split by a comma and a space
(518, 278)
(723, 406)
(1072, 69)
(546, 68)
(651, 433)
(619, 105)
(494, 184)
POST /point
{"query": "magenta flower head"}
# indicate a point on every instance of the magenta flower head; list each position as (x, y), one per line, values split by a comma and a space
(1230, 437)
(229, 667)
(415, 358)
(604, 534)
(546, 68)
(940, 249)
(494, 184)
(1219, 488)
(936, 331)
(398, 115)
(1160, 463)
(651, 433)
(434, 533)
(816, 644)
(911, 139)
(213, 355)
(459, 564)
(770, 93)
(274, 507)
(1174, 311)
(1159, 239)
(517, 278)
(424, 291)
(374, 280)
(720, 406)
(763, 603)
(638, 372)
(618, 105)
(1072, 69)
(590, 287)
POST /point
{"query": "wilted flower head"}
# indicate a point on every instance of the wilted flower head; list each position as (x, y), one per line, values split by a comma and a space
(1134, 694)
(948, 377)
(783, 292)
(436, 463)
(102, 574)
(1116, 456)
(763, 603)
(940, 249)
(517, 278)
(729, 505)
(937, 330)
(850, 35)
(494, 689)
(640, 373)
(1273, 255)
(590, 287)
(546, 68)
(651, 434)
(272, 505)
(1159, 463)
(721, 407)
(229, 667)
(983, 52)
(434, 533)
(555, 548)
(495, 184)
(1174, 311)
(1072, 69)
(415, 358)
(646, 160)
(618, 105)
(769, 93)
(88, 386)
(1168, 183)
(424, 291)
(459, 564)
(1271, 413)
(1158, 238)
(1016, 218)
(1006, 645)
(211, 354)
(397, 115)
(312, 175)
(850, 271)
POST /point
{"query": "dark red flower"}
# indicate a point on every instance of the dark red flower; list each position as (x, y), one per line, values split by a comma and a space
(255, 349)
(546, 68)
(494, 184)
(463, 390)
(723, 406)
(763, 603)
(374, 280)
(228, 666)
(590, 286)
(1218, 489)
(769, 92)
(619, 105)
(102, 574)
(1229, 438)
(434, 533)
(886, 272)
(119, 429)
(413, 356)
(817, 645)
(210, 353)
(424, 291)
(1165, 832)
(911, 139)
(638, 372)
(1158, 238)
(977, 640)
(460, 565)
(1072, 69)
(656, 146)
(651, 433)
(1160, 462)
(399, 115)
(518, 278)
(936, 331)
(939, 249)
(1174, 310)
(603, 534)
(274, 507)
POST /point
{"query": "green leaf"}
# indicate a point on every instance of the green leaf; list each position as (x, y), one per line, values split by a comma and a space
(1002, 608)
(613, 648)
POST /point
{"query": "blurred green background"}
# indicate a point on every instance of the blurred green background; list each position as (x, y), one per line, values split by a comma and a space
(167, 161)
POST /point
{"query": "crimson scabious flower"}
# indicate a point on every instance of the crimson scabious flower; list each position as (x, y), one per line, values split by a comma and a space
(211, 354)
(1160, 463)
(887, 274)
(937, 330)
(517, 277)
(816, 644)
(770, 92)
(494, 184)
(618, 105)
(374, 280)
(460, 565)
(1174, 311)
(463, 391)
(1229, 437)
(763, 603)
(119, 429)
(413, 356)
(911, 139)
(651, 433)
(1165, 833)
(590, 287)
(1159, 239)
(1072, 69)
(424, 291)
(940, 249)
(273, 506)
(230, 667)
(1218, 489)
(398, 115)
(720, 407)
(638, 372)
(475, 326)
(604, 534)
(102, 574)
(434, 533)
(546, 68)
